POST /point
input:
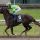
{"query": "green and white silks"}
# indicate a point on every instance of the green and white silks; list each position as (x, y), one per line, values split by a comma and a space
(14, 9)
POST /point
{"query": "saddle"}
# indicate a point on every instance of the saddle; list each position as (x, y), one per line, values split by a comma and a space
(17, 18)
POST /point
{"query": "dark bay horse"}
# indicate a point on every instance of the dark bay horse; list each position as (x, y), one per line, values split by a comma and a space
(9, 19)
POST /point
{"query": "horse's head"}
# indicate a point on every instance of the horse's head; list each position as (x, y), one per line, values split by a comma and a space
(3, 10)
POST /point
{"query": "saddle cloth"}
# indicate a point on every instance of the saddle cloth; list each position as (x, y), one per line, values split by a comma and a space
(18, 18)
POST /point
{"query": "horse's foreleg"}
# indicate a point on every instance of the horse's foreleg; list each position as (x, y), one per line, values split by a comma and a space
(12, 31)
(6, 30)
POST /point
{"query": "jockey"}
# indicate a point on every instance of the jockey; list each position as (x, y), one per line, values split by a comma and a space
(14, 9)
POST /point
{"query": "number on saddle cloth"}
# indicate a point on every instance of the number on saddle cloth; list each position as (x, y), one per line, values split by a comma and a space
(19, 18)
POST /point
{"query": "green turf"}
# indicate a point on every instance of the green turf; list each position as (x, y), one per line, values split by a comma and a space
(35, 31)
(33, 12)
(1, 17)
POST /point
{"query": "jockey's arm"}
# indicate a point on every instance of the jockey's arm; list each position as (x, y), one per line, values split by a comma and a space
(14, 8)
(18, 9)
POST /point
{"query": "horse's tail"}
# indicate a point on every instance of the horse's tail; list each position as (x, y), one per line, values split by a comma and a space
(36, 22)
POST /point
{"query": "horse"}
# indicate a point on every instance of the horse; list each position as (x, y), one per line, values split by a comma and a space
(10, 22)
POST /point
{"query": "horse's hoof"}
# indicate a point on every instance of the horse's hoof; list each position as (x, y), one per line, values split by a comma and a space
(14, 34)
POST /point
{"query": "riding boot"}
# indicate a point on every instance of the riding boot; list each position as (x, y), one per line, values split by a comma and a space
(15, 17)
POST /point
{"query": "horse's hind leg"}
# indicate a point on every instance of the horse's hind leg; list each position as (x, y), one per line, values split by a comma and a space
(23, 32)
(6, 30)
(29, 27)
(26, 29)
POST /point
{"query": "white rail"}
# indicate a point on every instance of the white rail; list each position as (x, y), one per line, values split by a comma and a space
(2, 22)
